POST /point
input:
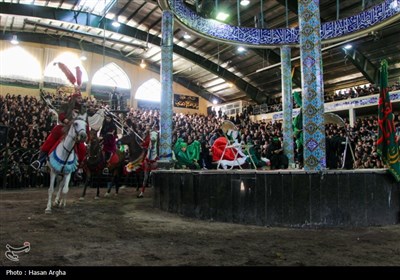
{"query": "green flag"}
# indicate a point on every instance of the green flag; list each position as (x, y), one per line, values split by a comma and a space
(298, 121)
(387, 146)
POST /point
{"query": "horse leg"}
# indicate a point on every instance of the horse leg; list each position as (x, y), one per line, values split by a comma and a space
(50, 192)
(97, 191)
(116, 181)
(109, 186)
(65, 190)
(60, 187)
(145, 180)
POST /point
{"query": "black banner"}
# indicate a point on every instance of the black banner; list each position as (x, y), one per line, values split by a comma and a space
(186, 101)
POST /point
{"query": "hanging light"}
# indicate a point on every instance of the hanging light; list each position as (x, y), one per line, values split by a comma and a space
(186, 36)
(115, 22)
(14, 40)
(143, 64)
(244, 2)
(83, 57)
(222, 16)
(241, 49)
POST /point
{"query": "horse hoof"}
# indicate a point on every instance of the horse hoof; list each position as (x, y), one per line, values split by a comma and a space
(47, 211)
(106, 194)
(96, 197)
(81, 198)
(140, 195)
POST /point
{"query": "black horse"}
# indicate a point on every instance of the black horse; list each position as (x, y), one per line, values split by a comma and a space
(95, 163)
(136, 154)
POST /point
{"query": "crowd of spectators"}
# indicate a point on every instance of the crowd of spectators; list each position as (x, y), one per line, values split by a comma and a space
(275, 104)
(30, 121)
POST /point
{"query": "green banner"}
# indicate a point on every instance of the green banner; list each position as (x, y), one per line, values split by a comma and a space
(387, 146)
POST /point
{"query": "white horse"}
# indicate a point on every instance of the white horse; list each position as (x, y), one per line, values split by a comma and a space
(63, 160)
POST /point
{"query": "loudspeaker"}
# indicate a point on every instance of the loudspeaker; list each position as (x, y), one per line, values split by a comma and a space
(3, 136)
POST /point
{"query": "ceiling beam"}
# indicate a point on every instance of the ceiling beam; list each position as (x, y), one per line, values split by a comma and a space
(292, 5)
(274, 57)
(94, 21)
(75, 43)
(82, 33)
(362, 63)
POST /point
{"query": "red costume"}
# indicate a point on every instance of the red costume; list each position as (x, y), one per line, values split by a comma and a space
(65, 115)
(218, 148)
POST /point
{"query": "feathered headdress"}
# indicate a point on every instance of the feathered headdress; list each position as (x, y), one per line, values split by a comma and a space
(75, 81)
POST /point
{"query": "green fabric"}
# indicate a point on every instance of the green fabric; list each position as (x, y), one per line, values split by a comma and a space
(387, 147)
(190, 156)
(298, 122)
(253, 154)
(297, 98)
(194, 150)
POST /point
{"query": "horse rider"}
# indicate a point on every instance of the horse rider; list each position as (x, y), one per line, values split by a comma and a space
(108, 134)
(65, 116)
(150, 144)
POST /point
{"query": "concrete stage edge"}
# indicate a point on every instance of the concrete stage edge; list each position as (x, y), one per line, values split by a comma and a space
(281, 198)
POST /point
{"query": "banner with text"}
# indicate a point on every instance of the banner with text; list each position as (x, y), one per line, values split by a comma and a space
(186, 101)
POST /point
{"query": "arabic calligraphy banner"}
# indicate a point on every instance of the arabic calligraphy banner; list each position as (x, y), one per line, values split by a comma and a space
(186, 101)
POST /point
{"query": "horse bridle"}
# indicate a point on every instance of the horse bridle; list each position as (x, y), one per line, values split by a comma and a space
(74, 139)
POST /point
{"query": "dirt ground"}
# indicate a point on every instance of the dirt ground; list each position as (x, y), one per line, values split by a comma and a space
(125, 231)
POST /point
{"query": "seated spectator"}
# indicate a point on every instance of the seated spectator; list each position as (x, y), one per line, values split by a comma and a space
(276, 156)
(187, 156)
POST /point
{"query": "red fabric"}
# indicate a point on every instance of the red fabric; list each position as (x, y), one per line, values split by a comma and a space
(78, 75)
(218, 148)
(54, 139)
(146, 142)
(80, 150)
(114, 159)
(67, 72)
(62, 116)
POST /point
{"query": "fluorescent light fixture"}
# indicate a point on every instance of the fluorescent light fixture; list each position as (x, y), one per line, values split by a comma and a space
(222, 16)
(241, 49)
(97, 7)
(348, 46)
(244, 2)
(215, 101)
(142, 64)
(14, 40)
(187, 36)
(116, 23)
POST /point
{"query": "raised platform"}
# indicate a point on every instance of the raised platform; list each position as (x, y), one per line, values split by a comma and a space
(281, 198)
